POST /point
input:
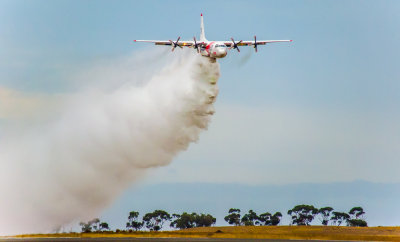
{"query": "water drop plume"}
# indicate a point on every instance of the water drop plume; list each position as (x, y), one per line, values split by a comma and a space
(86, 147)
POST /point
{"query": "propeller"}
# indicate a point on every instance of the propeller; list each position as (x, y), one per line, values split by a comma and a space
(196, 46)
(175, 44)
(235, 45)
(255, 43)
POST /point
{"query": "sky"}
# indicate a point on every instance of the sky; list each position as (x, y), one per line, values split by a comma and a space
(322, 109)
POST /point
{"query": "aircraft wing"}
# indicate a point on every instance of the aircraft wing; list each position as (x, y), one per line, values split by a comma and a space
(252, 42)
(189, 43)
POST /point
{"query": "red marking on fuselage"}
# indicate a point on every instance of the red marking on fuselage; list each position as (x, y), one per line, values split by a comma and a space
(209, 46)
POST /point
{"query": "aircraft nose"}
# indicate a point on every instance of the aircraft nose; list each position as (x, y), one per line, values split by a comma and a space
(222, 52)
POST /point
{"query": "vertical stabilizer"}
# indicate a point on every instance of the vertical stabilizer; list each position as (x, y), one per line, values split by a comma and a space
(202, 35)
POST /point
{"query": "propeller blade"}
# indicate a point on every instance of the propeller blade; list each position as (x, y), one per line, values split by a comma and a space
(232, 46)
(196, 46)
(176, 43)
(173, 45)
(255, 43)
(235, 46)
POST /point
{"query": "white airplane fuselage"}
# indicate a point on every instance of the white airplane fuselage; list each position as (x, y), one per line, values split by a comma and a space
(214, 49)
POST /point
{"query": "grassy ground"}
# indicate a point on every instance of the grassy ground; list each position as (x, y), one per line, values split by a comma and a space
(259, 232)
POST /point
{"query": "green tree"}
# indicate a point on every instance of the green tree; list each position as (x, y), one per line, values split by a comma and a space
(357, 217)
(204, 220)
(103, 226)
(85, 227)
(154, 221)
(183, 221)
(276, 218)
(339, 217)
(133, 221)
(325, 214)
(96, 224)
(269, 219)
(250, 219)
(357, 213)
(302, 214)
(265, 218)
(233, 217)
(90, 226)
(357, 223)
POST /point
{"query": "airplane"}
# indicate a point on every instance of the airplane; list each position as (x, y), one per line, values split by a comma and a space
(212, 49)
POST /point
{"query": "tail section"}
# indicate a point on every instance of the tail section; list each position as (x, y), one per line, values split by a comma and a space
(202, 35)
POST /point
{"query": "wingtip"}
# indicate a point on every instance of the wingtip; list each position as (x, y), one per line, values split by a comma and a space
(201, 14)
(134, 40)
(291, 40)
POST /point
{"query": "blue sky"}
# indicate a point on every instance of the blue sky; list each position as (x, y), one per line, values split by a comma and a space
(322, 109)
(341, 48)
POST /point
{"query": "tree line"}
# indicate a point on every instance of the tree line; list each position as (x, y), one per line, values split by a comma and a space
(154, 221)
(300, 215)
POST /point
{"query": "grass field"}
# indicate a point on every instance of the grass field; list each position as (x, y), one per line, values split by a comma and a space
(259, 232)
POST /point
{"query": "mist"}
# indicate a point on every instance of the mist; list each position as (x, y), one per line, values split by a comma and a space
(66, 157)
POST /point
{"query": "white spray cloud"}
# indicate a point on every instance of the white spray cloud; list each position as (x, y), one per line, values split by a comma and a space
(97, 141)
